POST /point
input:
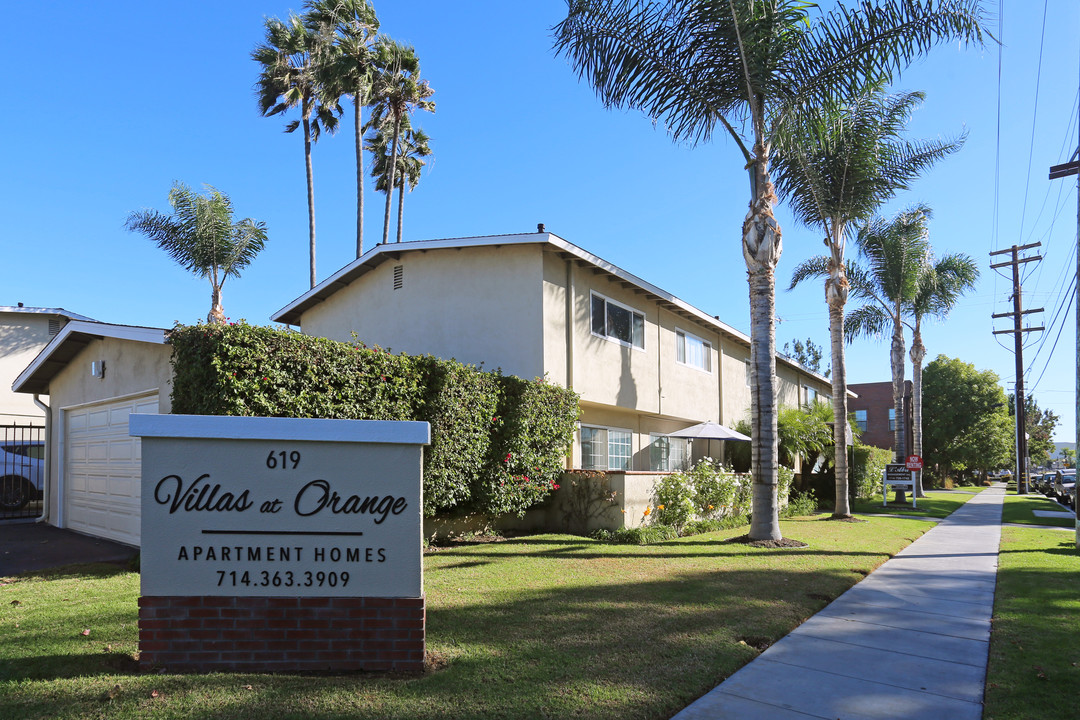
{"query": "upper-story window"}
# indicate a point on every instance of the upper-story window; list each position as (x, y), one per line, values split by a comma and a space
(617, 322)
(892, 419)
(693, 351)
(860, 420)
(810, 395)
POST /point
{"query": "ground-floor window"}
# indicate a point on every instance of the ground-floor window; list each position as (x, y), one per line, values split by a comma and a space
(668, 454)
(606, 448)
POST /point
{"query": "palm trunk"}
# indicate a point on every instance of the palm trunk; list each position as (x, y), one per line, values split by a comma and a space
(217, 313)
(359, 141)
(400, 208)
(836, 294)
(390, 180)
(310, 189)
(762, 246)
(918, 354)
(896, 358)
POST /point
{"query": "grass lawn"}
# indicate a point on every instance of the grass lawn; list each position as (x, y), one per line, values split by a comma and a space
(937, 503)
(1035, 646)
(551, 626)
(1019, 509)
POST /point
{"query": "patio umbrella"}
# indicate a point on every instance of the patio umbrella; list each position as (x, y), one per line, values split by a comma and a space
(710, 431)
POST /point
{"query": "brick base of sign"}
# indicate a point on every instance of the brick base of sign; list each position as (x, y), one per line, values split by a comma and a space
(281, 634)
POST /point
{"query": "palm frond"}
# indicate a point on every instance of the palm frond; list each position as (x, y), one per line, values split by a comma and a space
(868, 320)
(813, 268)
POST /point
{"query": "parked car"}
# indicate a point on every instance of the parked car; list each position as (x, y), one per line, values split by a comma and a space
(21, 471)
(1065, 485)
(1043, 483)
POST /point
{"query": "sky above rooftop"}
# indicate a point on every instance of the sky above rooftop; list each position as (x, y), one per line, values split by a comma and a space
(116, 101)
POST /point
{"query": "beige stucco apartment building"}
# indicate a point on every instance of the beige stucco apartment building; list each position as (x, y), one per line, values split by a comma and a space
(534, 305)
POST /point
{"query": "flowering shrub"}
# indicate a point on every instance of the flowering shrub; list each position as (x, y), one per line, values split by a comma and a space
(674, 500)
(498, 443)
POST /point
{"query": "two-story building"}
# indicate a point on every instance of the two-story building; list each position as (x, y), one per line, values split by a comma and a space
(644, 362)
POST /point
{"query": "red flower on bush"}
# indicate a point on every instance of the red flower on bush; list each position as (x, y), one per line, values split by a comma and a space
(507, 458)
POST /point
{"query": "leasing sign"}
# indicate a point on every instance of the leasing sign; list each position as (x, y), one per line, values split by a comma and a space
(280, 507)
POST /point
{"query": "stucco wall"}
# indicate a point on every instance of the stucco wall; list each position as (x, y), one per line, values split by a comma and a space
(22, 336)
(130, 368)
(475, 304)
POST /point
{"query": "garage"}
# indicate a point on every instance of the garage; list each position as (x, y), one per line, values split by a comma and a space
(102, 468)
(95, 376)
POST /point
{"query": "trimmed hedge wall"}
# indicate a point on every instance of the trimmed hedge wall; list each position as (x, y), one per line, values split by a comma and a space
(498, 443)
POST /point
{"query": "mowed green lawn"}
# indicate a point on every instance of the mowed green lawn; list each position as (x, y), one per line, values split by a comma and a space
(936, 504)
(551, 626)
(1034, 669)
(1022, 508)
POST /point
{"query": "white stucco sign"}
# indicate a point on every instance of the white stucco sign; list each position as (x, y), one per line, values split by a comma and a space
(280, 507)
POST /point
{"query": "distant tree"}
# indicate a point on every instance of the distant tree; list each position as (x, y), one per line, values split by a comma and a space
(967, 417)
(290, 59)
(1069, 454)
(352, 24)
(808, 355)
(397, 90)
(1040, 425)
(201, 236)
(941, 285)
(892, 255)
(413, 147)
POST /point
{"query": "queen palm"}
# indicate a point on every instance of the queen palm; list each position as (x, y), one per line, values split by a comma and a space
(396, 91)
(290, 58)
(201, 236)
(837, 165)
(745, 67)
(893, 255)
(940, 287)
(353, 25)
(414, 146)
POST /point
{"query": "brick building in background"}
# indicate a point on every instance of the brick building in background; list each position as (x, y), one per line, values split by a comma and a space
(873, 414)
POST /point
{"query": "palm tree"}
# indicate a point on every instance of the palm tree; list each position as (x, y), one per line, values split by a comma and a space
(201, 236)
(353, 25)
(940, 287)
(290, 58)
(894, 254)
(396, 90)
(836, 166)
(413, 148)
(700, 65)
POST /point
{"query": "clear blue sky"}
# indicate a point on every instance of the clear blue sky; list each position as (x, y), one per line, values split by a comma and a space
(110, 103)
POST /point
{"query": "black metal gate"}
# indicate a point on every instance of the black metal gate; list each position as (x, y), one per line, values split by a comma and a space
(22, 471)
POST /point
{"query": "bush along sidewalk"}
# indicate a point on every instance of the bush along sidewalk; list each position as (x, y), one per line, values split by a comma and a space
(498, 443)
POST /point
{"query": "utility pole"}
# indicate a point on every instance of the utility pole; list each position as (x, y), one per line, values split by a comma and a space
(1058, 171)
(1018, 337)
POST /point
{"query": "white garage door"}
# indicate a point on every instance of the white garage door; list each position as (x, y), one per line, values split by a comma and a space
(103, 468)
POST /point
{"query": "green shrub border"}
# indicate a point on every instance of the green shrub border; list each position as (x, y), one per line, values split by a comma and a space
(498, 443)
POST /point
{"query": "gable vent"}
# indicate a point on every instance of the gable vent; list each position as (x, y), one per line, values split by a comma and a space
(399, 276)
(54, 325)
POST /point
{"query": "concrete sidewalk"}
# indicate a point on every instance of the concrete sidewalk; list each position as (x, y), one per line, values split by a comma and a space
(910, 641)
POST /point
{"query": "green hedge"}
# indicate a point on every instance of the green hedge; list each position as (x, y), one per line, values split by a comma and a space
(498, 443)
(867, 468)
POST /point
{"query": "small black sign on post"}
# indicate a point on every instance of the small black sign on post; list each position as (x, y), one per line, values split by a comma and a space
(897, 474)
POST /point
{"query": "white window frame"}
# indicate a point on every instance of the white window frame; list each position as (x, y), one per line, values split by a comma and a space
(707, 350)
(606, 464)
(654, 438)
(748, 372)
(811, 394)
(611, 338)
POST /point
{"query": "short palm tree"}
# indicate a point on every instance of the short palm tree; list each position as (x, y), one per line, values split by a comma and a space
(839, 165)
(413, 147)
(353, 25)
(893, 254)
(396, 91)
(290, 58)
(940, 287)
(201, 236)
(697, 66)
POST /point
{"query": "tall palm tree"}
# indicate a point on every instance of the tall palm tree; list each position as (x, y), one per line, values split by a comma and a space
(414, 146)
(201, 236)
(940, 287)
(289, 59)
(893, 254)
(353, 25)
(701, 65)
(838, 165)
(397, 90)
